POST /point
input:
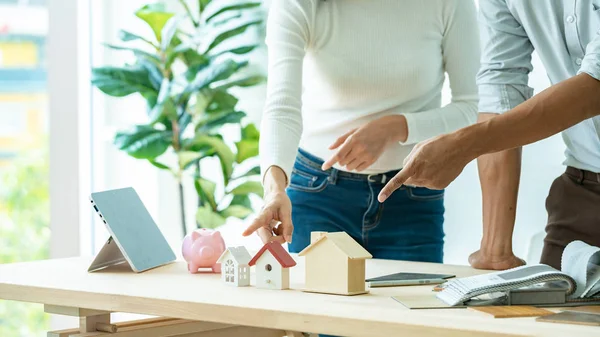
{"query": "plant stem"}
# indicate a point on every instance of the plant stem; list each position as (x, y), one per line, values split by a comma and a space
(176, 144)
(200, 201)
(182, 207)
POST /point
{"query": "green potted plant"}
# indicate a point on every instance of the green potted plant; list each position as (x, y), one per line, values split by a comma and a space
(186, 76)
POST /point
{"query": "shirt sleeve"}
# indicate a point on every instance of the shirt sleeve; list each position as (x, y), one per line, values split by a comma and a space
(591, 61)
(505, 61)
(287, 37)
(460, 52)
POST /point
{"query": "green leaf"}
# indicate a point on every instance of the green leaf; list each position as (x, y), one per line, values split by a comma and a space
(242, 200)
(212, 121)
(187, 158)
(221, 149)
(155, 16)
(249, 187)
(159, 165)
(168, 32)
(221, 100)
(217, 7)
(202, 4)
(237, 50)
(246, 149)
(121, 82)
(193, 59)
(126, 36)
(211, 74)
(184, 121)
(251, 172)
(143, 141)
(207, 218)
(243, 82)
(250, 132)
(206, 191)
(165, 106)
(195, 63)
(231, 29)
(236, 211)
(154, 73)
(137, 52)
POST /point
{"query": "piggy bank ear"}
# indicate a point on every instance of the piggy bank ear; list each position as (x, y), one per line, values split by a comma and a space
(216, 234)
(195, 235)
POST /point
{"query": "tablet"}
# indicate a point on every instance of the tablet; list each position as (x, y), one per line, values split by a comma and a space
(407, 279)
(135, 237)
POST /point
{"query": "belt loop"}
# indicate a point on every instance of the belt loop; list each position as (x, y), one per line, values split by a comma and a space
(581, 177)
(333, 176)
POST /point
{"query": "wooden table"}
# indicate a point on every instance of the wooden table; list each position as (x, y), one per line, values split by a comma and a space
(200, 305)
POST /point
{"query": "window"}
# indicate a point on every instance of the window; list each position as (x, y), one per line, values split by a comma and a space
(24, 159)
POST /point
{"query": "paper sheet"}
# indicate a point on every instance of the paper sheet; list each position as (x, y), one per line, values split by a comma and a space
(582, 262)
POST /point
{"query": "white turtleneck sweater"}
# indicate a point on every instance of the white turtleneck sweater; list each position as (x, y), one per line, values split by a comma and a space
(335, 65)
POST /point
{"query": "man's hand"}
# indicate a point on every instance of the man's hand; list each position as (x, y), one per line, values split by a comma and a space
(360, 148)
(434, 164)
(482, 260)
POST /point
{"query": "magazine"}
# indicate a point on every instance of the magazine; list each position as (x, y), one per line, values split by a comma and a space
(580, 275)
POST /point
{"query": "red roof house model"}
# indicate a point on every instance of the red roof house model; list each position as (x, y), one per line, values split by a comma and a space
(278, 252)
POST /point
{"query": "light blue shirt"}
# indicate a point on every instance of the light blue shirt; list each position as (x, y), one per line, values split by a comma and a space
(565, 34)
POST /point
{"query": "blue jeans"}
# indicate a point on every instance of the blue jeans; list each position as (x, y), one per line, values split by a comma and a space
(408, 226)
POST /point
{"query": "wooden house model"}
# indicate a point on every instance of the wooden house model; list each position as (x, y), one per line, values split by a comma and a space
(272, 266)
(335, 264)
(234, 266)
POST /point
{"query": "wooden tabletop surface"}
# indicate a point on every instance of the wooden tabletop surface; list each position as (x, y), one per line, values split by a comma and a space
(170, 291)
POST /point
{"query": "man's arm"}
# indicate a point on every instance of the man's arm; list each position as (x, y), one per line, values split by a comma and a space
(499, 175)
(550, 112)
(437, 162)
(503, 84)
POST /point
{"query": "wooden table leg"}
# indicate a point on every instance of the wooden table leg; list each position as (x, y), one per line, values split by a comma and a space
(294, 334)
(95, 323)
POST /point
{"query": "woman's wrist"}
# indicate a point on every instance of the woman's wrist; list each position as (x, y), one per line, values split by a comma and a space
(396, 128)
(275, 180)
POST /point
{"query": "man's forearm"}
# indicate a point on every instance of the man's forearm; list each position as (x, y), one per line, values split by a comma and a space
(551, 111)
(499, 174)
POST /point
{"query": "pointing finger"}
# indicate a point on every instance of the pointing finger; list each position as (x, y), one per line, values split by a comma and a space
(394, 184)
(341, 140)
(263, 220)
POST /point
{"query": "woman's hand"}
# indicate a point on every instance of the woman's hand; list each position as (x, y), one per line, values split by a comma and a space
(360, 148)
(274, 222)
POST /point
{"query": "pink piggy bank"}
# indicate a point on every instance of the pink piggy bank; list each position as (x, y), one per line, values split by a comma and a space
(202, 248)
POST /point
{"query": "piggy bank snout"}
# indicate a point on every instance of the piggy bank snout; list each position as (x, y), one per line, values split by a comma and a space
(206, 252)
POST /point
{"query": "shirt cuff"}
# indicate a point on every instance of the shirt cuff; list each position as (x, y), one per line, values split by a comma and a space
(500, 98)
(413, 121)
(287, 170)
(591, 61)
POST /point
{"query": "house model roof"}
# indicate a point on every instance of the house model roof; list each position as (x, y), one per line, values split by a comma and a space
(278, 252)
(344, 242)
(240, 255)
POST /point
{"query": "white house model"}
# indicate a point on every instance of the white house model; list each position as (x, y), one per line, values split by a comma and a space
(272, 266)
(234, 266)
